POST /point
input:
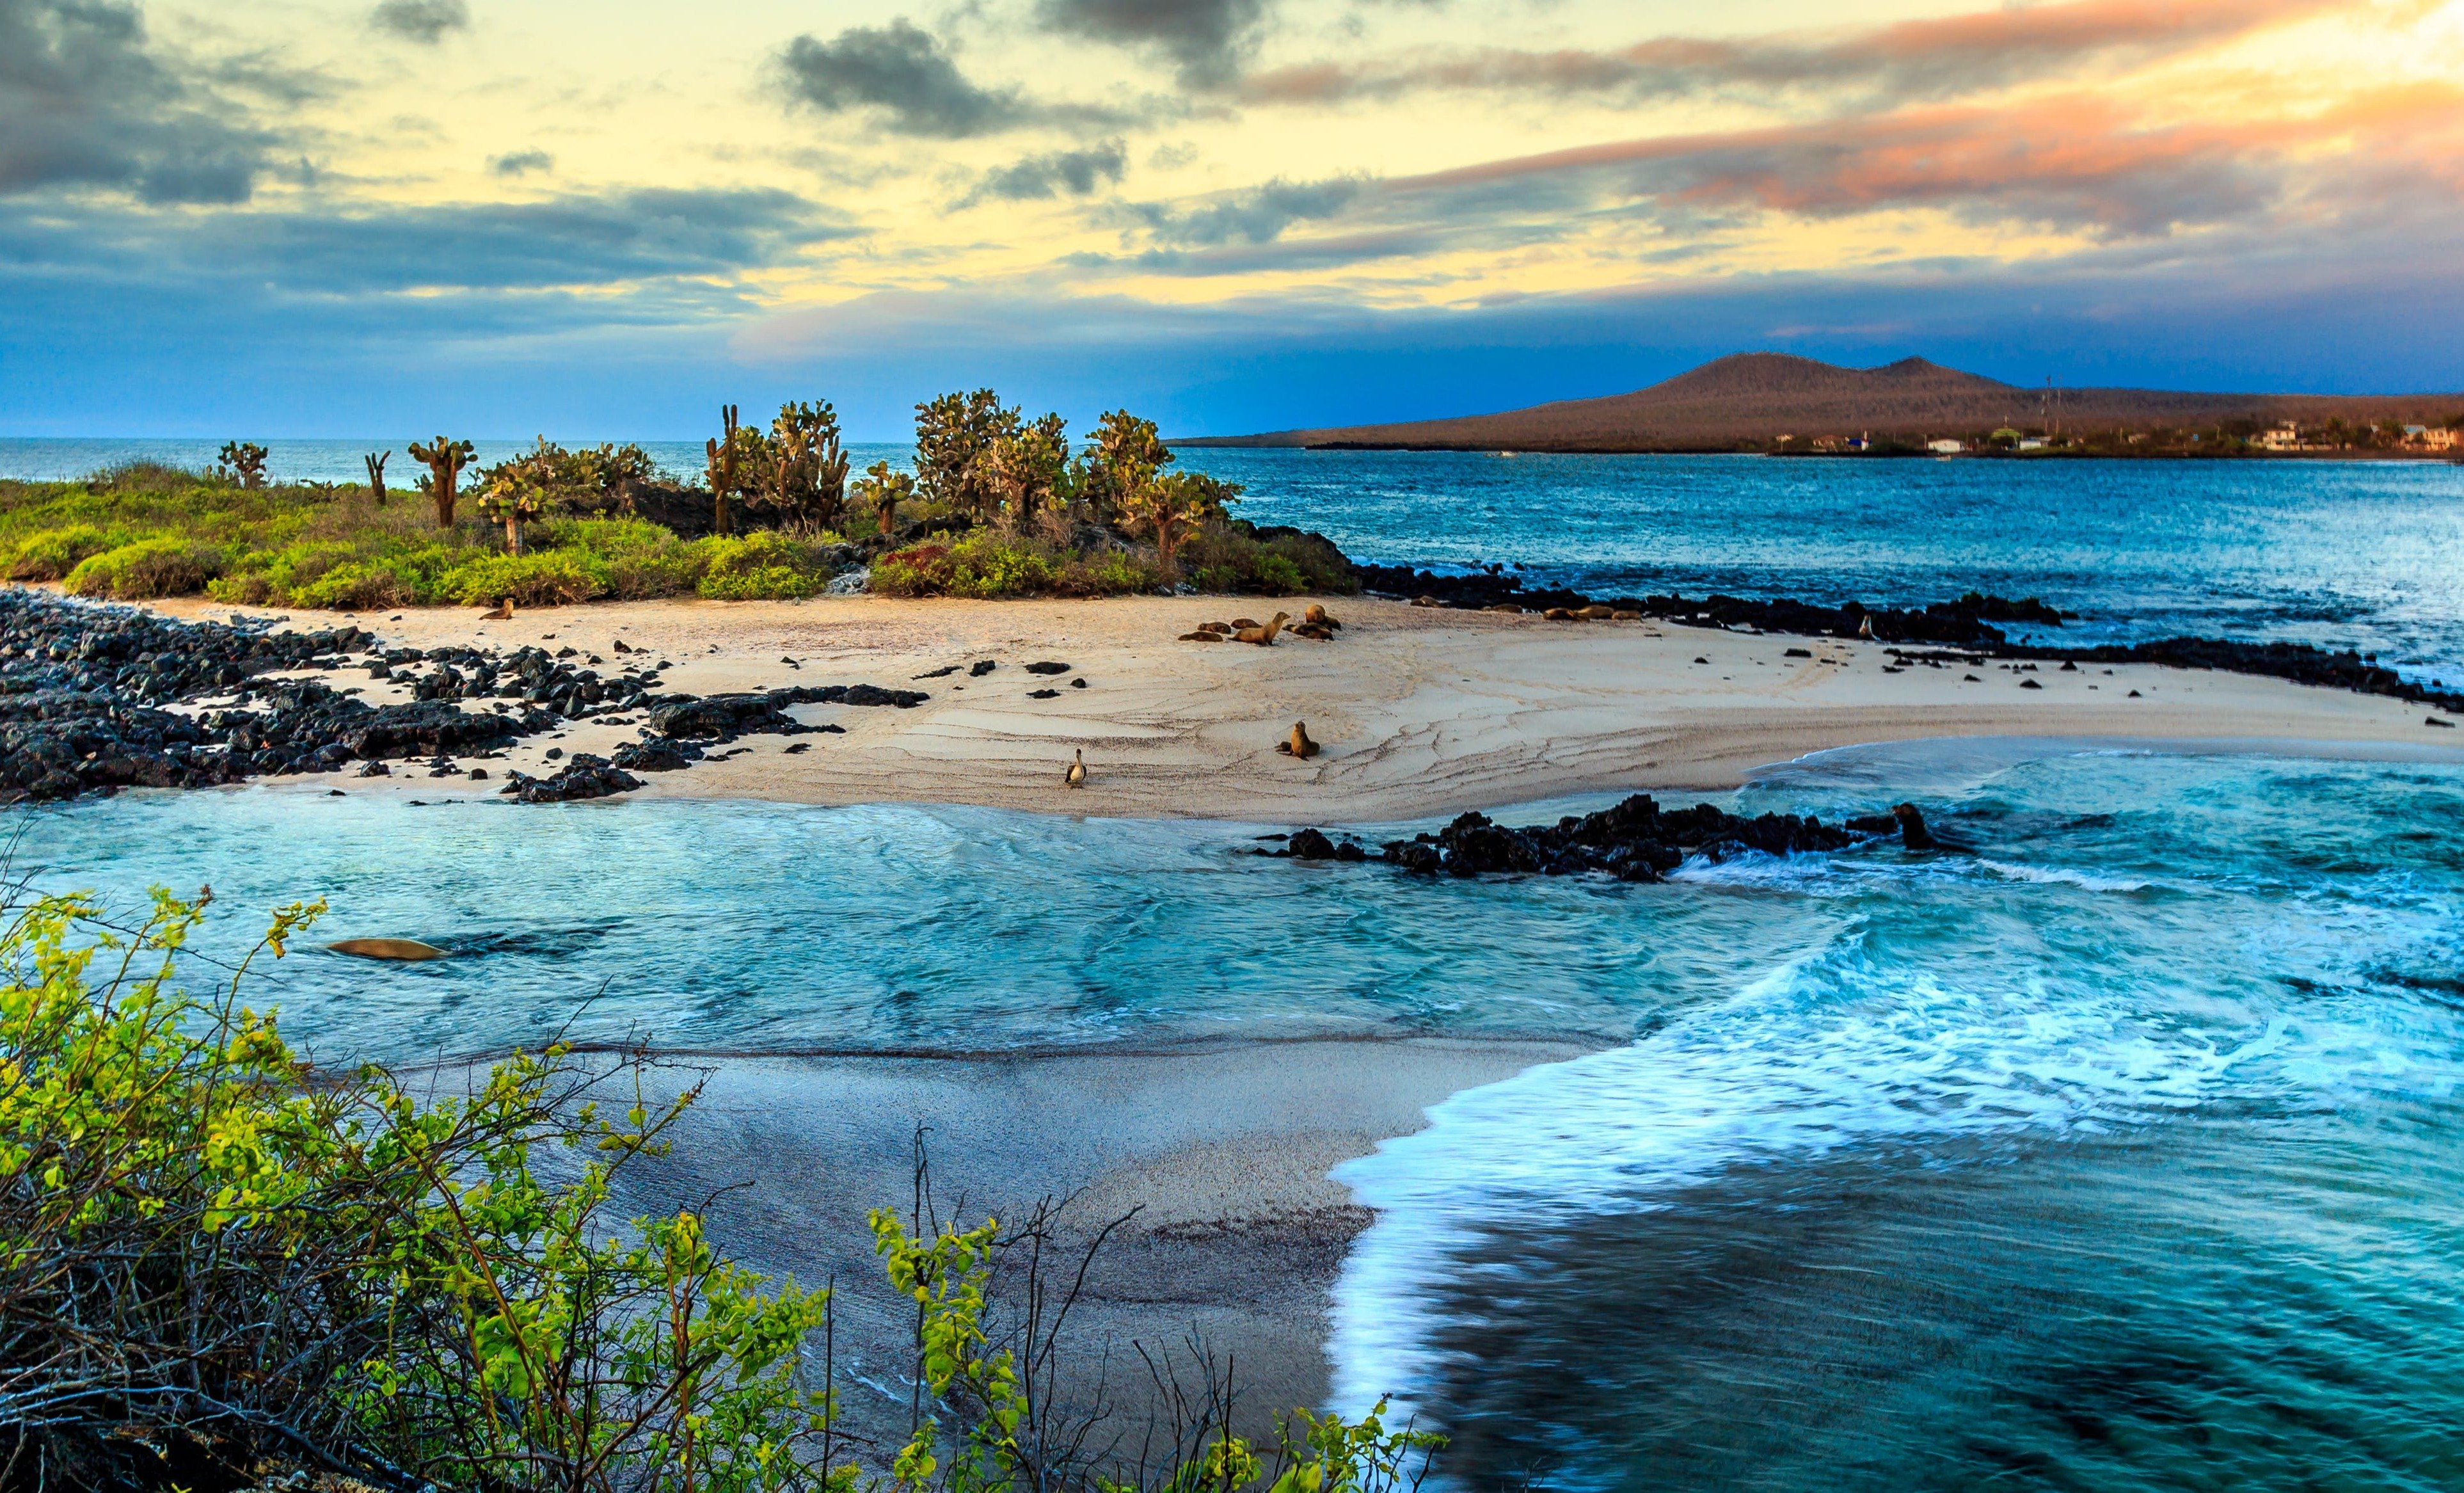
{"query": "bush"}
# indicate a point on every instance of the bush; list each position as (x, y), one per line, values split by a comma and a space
(147, 569)
(54, 553)
(228, 1268)
(543, 578)
(762, 566)
(1243, 558)
(360, 586)
(640, 558)
(1108, 573)
(982, 564)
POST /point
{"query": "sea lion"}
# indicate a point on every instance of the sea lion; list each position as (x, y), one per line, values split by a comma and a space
(1597, 612)
(1316, 617)
(1201, 636)
(1223, 627)
(1262, 636)
(1238, 623)
(504, 612)
(1299, 745)
(1310, 630)
(1076, 776)
(408, 950)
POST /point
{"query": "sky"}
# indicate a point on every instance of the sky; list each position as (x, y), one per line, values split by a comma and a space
(603, 218)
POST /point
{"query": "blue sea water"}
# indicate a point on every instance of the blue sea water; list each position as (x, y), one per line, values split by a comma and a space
(2126, 1151)
(2344, 554)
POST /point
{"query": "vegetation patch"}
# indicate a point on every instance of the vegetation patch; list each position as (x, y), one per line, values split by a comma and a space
(227, 1269)
(996, 506)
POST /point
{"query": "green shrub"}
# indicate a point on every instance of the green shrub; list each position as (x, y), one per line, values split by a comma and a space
(53, 553)
(542, 577)
(1108, 573)
(1239, 558)
(765, 566)
(228, 1267)
(360, 586)
(982, 564)
(918, 570)
(147, 569)
(640, 558)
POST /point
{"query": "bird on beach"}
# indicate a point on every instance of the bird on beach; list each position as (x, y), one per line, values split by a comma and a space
(504, 612)
(1076, 776)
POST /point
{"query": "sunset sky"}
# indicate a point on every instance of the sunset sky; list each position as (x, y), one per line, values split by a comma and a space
(313, 217)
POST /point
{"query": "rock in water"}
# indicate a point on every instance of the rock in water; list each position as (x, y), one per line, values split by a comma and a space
(400, 949)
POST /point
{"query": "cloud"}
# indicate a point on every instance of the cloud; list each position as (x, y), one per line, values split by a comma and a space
(1207, 40)
(1077, 172)
(606, 243)
(86, 102)
(902, 71)
(422, 21)
(1256, 215)
(521, 163)
(1938, 57)
(2075, 160)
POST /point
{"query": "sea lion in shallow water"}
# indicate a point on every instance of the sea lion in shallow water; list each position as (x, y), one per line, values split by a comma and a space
(404, 949)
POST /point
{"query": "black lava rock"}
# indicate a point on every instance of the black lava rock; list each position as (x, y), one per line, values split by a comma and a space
(1635, 839)
(588, 775)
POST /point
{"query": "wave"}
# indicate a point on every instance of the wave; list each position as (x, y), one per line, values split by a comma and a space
(1847, 1047)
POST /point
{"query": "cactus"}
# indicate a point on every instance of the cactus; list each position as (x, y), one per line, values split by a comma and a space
(883, 491)
(376, 461)
(248, 460)
(445, 460)
(725, 457)
(512, 496)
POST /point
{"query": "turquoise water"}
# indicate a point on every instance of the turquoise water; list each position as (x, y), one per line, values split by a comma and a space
(2125, 1151)
(2343, 554)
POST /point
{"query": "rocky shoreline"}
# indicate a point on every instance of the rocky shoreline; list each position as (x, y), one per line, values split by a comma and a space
(1635, 840)
(1968, 623)
(97, 698)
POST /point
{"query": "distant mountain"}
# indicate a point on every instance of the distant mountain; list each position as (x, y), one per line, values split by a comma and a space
(1750, 400)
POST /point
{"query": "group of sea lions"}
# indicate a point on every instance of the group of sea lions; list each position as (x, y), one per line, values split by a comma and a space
(1314, 624)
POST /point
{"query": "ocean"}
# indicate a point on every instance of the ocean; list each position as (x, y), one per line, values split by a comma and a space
(2366, 555)
(2124, 1150)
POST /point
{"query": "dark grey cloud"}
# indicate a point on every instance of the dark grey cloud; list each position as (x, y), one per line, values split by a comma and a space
(902, 72)
(1257, 215)
(1930, 58)
(423, 21)
(521, 163)
(1207, 40)
(684, 240)
(86, 101)
(1075, 172)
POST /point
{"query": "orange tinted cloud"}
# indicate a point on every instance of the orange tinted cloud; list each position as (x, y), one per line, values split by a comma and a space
(2080, 159)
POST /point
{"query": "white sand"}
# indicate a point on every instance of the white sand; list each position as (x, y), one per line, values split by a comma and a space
(1419, 710)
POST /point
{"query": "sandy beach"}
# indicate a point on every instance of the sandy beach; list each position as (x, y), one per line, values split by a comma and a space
(1421, 710)
(1224, 1153)
(1218, 1157)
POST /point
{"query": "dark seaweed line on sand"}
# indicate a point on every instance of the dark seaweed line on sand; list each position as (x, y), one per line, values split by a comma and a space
(1968, 623)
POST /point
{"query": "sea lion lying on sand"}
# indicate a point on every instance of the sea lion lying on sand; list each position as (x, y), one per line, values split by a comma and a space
(1209, 632)
(1262, 636)
(1316, 617)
